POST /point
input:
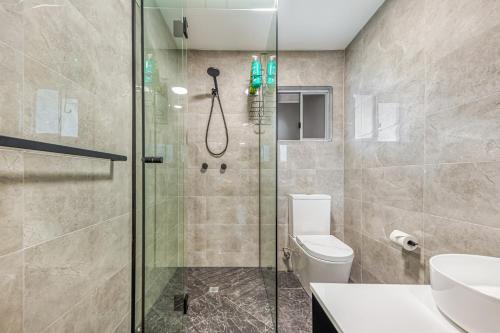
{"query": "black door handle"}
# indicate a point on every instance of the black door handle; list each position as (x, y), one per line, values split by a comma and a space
(153, 159)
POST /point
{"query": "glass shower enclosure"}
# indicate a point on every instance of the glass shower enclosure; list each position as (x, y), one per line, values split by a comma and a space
(170, 186)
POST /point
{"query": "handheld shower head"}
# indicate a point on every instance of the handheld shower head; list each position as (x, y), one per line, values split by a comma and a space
(214, 72)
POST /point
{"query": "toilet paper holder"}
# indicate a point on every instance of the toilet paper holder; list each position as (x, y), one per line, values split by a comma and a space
(402, 239)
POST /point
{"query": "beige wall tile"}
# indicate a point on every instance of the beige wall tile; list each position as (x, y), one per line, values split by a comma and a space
(58, 196)
(438, 62)
(12, 23)
(101, 311)
(11, 284)
(48, 95)
(50, 39)
(233, 210)
(60, 272)
(467, 192)
(451, 236)
(379, 221)
(353, 183)
(11, 201)
(353, 214)
(11, 89)
(468, 133)
(391, 265)
(400, 187)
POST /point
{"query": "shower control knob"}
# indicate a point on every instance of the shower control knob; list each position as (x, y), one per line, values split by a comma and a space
(204, 166)
(223, 166)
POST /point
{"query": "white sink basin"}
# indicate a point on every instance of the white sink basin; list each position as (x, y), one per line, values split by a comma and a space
(466, 289)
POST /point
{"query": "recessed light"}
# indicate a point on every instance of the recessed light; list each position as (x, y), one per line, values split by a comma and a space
(179, 90)
(177, 106)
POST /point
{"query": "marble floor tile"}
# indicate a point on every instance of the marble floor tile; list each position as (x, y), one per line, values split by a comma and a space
(240, 305)
(294, 305)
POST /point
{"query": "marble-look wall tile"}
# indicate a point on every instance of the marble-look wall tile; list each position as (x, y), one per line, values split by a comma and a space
(58, 196)
(222, 238)
(444, 235)
(309, 68)
(391, 265)
(398, 138)
(435, 64)
(11, 16)
(353, 214)
(450, 83)
(11, 201)
(314, 167)
(451, 23)
(125, 325)
(101, 311)
(11, 285)
(61, 272)
(353, 183)
(11, 89)
(66, 80)
(49, 39)
(467, 192)
(400, 187)
(47, 95)
(379, 221)
(468, 133)
(240, 210)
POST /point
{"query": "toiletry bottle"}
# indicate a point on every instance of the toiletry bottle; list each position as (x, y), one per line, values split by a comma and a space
(256, 81)
(271, 71)
(149, 69)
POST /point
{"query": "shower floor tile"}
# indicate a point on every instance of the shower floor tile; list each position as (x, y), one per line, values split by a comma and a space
(240, 305)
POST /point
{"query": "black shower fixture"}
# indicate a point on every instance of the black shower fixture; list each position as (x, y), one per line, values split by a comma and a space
(214, 72)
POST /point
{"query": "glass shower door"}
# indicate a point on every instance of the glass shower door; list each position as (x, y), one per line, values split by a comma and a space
(164, 102)
(268, 172)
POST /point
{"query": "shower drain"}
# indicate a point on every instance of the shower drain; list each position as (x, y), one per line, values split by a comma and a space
(213, 289)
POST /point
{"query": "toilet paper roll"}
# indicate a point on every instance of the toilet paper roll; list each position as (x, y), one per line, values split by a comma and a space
(406, 241)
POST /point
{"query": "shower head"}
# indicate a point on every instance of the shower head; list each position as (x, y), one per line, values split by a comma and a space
(214, 72)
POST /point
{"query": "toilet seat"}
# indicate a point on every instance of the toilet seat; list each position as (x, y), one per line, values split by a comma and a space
(326, 247)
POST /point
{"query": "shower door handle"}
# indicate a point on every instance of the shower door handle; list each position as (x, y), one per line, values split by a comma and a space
(152, 159)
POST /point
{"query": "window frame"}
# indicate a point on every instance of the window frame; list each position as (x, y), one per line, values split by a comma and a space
(327, 91)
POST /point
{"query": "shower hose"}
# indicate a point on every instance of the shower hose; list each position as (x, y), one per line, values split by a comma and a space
(215, 94)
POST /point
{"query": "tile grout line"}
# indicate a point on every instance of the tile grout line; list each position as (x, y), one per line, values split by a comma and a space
(82, 299)
(78, 230)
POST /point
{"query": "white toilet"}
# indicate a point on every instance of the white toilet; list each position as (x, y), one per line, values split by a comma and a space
(316, 255)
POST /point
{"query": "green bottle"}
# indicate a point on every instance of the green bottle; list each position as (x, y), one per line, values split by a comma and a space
(149, 68)
(271, 71)
(256, 80)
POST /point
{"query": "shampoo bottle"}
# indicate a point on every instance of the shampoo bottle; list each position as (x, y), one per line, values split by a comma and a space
(271, 71)
(256, 80)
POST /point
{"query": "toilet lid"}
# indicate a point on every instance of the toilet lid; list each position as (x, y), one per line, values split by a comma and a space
(326, 247)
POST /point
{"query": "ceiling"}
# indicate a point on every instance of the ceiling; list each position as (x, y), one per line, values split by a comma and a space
(302, 24)
(322, 24)
(223, 29)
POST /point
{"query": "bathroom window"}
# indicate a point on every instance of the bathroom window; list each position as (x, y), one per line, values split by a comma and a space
(305, 113)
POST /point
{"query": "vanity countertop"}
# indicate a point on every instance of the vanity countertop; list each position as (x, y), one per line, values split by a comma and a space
(360, 308)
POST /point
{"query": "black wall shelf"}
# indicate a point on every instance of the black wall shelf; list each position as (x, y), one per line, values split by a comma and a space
(7, 141)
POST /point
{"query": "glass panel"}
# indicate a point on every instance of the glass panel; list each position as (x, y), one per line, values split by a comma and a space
(138, 168)
(268, 179)
(289, 116)
(313, 107)
(164, 105)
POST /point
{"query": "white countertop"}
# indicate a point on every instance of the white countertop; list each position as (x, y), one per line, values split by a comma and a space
(387, 308)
